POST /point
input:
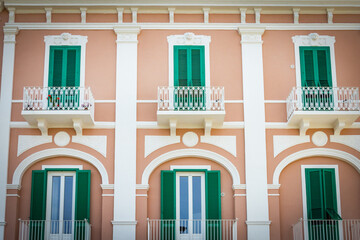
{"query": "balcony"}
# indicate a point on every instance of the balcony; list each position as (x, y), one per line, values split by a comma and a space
(190, 107)
(322, 107)
(58, 107)
(225, 229)
(326, 229)
(54, 230)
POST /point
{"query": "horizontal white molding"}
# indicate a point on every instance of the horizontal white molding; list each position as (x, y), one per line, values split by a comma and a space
(240, 195)
(141, 195)
(273, 194)
(13, 186)
(186, 26)
(258, 222)
(275, 101)
(124, 222)
(214, 3)
(107, 186)
(43, 167)
(153, 125)
(155, 101)
(13, 195)
(107, 195)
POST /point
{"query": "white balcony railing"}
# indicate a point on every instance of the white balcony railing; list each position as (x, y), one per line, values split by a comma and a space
(322, 99)
(326, 230)
(57, 98)
(54, 230)
(191, 99)
(225, 229)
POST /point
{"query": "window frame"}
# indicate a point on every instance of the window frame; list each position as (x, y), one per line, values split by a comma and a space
(65, 39)
(50, 174)
(314, 40)
(179, 174)
(189, 39)
(304, 196)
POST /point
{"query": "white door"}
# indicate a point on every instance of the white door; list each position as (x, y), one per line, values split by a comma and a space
(190, 205)
(60, 209)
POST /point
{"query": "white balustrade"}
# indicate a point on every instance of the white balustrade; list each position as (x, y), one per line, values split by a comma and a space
(57, 98)
(54, 230)
(225, 229)
(191, 99)
(348, 229)
(322, 99)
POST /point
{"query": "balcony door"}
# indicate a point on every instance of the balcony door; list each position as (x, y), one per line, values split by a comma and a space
(190, 205)
(189, 78)
(61, 201)
(316, 79)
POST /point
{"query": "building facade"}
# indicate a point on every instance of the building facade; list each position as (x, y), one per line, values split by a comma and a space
(180, 120)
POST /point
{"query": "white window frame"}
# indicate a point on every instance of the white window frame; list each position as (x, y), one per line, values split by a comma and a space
(314, 40)
(51, 174)
(65, 39)
(203, 206)
(189, 39)
(303, 183)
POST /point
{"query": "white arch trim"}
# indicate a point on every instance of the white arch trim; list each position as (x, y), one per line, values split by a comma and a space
(58, 152)
(190, 153)
(325, 152)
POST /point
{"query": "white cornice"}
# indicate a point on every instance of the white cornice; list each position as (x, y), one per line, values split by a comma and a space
(186, 26)
(302, 3)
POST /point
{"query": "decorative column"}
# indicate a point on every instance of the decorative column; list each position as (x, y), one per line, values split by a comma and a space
(5, 109)
(255, 142)
(124, 223)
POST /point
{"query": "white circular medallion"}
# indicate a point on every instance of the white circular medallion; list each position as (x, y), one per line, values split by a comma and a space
(62, 139)
(190, 139)
(319, 138)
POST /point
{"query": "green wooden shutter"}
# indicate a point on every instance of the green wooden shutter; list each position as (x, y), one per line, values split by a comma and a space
(56, 67)
(38, 204)
(330, 201)
(181, 66)
(314, 190)
(64, 66)
(38, 195)
(324, 67)
(213, 205)
(168, 207)
(307, 67)
(82, 195)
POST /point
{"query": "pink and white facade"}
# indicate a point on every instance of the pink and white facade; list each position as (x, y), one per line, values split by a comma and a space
(179, 120)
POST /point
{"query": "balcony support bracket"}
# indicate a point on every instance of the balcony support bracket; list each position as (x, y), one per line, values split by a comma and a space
(208, 125)
(304, 126)
(339, 126)
(77, 124)
(43, 126)
(172, 124)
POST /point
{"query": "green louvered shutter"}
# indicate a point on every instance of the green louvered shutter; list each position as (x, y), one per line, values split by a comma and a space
(56, 67)
(324, 69)
(82, 202)
(181, 66)
(307, 67)
(213, 205)
(38, 204)
(330, 201)
(168, 207)
(314, 194)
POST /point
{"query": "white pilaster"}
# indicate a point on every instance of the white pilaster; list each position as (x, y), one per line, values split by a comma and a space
(120, 14)
(243, 15)
(5, 109)
(124, 223)
(255, 142)
(171, 14)
(48, 14)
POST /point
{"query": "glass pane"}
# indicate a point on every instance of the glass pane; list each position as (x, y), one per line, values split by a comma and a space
(68, 205)
(196, 204)
(184, 204)
(55, 204)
